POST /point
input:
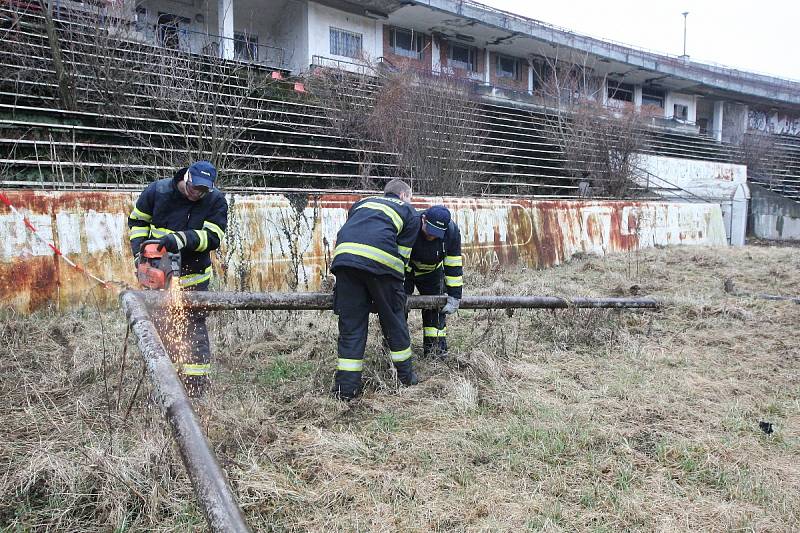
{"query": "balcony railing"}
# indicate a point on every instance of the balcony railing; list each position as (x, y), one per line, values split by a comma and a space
(209, 44)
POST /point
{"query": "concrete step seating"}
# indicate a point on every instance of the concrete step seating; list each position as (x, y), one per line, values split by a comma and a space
(289, 140)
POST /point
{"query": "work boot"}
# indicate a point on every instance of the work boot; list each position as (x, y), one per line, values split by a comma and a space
(442, 351)
(435, 350)
(347, 385)
(429, 348)
(196, 386)
(406, 374)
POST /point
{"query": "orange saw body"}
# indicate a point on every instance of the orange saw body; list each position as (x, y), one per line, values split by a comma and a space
(156, 268)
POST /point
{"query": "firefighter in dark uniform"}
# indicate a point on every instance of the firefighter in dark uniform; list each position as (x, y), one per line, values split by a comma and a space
(187, 214)
(436, 268)
(369, 261)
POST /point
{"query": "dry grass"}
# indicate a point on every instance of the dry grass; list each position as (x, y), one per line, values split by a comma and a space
(556, 421)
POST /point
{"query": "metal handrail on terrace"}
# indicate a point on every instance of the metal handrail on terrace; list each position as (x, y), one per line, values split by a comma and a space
(626, 48)
(208, 44)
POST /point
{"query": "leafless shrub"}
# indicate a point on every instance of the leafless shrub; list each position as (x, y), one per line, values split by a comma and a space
(205, 107)
(170, 106)
(428, 125)
(346, 100)
(762, 154)
(600, 144)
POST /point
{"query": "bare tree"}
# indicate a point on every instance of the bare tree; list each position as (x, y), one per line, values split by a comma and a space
(166, 105)
(433, 123)
(63, 78)
(346, 98)
(206, 109)
(762, 154)
(600, 143)
(427, 126)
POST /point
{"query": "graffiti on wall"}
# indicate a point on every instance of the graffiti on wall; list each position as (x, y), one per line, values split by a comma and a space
(285, 242)
(773, 122)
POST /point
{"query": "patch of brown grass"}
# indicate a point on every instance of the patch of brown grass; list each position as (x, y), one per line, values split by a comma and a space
(567, 420)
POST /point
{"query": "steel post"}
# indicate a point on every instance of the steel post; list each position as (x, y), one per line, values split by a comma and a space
(208, 479)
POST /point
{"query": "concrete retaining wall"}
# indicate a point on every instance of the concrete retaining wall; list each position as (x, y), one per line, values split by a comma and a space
(277, 242)
(773, 216)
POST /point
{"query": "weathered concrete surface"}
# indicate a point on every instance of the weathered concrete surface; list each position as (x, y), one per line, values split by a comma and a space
(723, 183)
(277, 242)
(716, 177)
(773, 216)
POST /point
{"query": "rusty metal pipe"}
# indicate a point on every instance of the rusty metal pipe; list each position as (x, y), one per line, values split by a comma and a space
(276, 301)
(208, 479)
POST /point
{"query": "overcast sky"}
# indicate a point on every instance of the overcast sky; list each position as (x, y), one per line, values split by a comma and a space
(760, 36)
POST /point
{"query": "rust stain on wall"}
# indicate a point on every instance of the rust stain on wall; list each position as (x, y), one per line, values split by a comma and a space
(285, 242)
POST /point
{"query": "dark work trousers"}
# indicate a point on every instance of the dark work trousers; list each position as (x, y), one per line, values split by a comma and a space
(434, 323)
(185, 336)
(355, 293)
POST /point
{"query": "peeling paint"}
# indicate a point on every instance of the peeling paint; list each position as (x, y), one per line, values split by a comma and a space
(277, 242)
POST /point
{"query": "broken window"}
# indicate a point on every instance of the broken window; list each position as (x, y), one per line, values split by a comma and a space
(346, 43)
(170, 27)
(507, 67)
(680, 112)
(140, 18)
(406, 43)
(464, 57)
(620, 91)
(652, 97)
(245, 47)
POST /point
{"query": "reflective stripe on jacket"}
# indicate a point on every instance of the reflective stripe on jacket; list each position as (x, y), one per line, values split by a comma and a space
(378, 236)
(439, 257)
(162, 209)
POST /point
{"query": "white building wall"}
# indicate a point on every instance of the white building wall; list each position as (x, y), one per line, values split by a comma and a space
(278, 24)
(289, 30)
(200, 21)
(688, 100)
(322, 18)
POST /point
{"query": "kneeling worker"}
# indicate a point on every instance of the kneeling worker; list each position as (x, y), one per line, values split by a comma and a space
(436, 267)
(369, 261)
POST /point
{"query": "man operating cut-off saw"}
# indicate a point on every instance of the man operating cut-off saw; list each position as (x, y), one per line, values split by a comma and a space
(178, 221)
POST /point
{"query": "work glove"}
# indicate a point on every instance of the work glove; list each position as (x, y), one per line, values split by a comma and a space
(173, 242)
(451, 306)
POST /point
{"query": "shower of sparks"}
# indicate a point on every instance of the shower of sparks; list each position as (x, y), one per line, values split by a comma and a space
(176, 326)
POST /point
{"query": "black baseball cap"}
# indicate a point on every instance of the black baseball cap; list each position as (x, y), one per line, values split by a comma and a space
(437, 218)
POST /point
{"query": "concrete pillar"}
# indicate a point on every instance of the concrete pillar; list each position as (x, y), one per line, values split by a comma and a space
(717, 127)
(693, 110)
(530, 77)
(436, 55)
(379, 39)
(487, 74)
(637, 96)
(668, 103)
(745, 115)
(225, 18)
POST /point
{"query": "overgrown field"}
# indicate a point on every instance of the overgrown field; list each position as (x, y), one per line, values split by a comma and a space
(557, 421)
